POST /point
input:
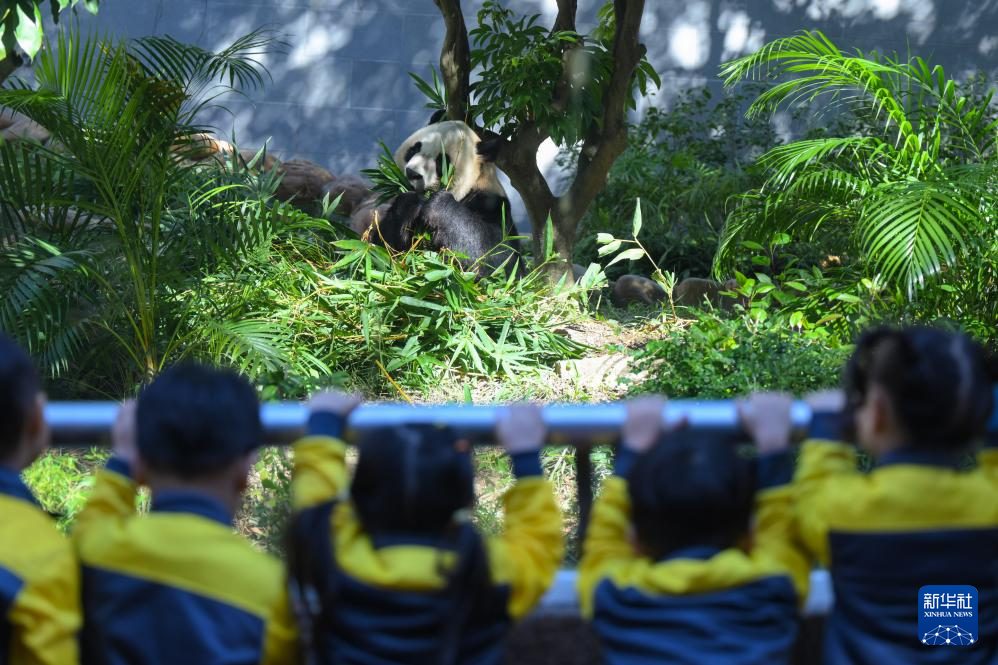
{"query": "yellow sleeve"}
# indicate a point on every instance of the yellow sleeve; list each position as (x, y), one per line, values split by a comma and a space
(320, 471)
(46, 615)
(608, 544)
(111, 502)
(826, 472)
(775, 534)
(282, 646)
(987, 461)
(530, 550)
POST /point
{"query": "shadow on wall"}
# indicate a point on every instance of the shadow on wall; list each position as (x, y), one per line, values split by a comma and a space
(688, 39)
(342, 84)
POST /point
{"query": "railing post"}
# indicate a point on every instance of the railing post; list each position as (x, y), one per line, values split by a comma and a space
(583, 484)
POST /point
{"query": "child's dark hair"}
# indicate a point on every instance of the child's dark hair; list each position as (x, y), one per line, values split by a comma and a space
(692, 489)
(411, 480)
(19, 388)
(194, 420)
(938, 383)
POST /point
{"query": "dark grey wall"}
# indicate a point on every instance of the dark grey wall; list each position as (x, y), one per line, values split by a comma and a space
(342, 85)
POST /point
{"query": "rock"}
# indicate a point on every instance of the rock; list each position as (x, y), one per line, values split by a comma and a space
(266, 162)
(635, 288)
(693, 291)
(203, 146)
(600, 373)
(17, 127)
(302, 181)
(365, 216)
(353, 189)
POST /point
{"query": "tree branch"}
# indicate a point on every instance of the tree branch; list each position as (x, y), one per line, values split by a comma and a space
(455, 60)
(567, 9)
(565, 22)
(605, 143)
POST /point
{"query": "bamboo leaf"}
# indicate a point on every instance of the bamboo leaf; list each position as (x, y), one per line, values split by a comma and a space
(627, 255)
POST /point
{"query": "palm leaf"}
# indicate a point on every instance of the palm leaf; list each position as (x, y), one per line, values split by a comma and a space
(911, 230)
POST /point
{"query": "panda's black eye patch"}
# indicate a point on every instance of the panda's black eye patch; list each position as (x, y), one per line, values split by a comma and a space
(413, 150)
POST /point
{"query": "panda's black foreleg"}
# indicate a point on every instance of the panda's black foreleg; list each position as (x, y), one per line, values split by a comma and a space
(455, 226)
(400, 224)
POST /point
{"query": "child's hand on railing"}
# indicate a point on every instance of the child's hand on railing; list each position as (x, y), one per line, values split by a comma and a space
(644, 424)
(337, 403)
(766, 417)
(123, 443)
(827, 401)
(520, 428)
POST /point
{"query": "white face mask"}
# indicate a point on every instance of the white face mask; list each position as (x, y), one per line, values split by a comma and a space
(421, 170)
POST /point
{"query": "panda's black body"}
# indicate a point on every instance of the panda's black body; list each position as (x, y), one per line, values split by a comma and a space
(469, 227)
(471, 217)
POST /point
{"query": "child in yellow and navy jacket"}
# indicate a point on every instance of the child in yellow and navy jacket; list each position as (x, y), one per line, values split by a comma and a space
(916, 401)
(669, 570)
(178, 585)
(392, 574)
(39, 578)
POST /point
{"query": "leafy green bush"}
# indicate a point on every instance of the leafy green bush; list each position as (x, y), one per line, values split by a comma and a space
(722, 357)
(914, 189)
(109, 243)
(684, 164)
(266, 507)
(62, 482)
(526, 73)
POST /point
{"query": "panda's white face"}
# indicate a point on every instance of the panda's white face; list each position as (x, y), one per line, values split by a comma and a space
(424, 166)
(422, 157)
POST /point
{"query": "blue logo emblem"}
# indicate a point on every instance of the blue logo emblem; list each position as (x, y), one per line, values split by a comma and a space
(947, 615)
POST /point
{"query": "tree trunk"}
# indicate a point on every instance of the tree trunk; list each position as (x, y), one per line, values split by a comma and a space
(9, 65)
(517, 156)
(455, 66)
(564, 226)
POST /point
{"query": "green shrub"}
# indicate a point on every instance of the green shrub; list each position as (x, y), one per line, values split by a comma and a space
(719, 357)
(266, 506)
(108, 243)
(684, 164)
(913, 188)
(61, 481)
(406, 319)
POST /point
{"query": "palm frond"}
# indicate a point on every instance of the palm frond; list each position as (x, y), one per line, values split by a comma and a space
(205, 75)
(817, 69)
(253, 346)
(894, 189)
(35, 277)
(910, 230)
(787, 162)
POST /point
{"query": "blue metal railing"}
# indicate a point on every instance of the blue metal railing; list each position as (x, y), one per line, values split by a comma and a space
(75, 424)
(83, 423)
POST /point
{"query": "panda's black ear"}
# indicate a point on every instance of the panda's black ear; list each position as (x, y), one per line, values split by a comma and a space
(488, 148)
(438, 116)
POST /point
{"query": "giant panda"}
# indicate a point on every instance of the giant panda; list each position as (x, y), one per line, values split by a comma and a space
(471, 216)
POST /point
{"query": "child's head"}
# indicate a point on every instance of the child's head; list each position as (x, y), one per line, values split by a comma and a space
(23, 434)
(411, 479)
(920, 387)
(197, 423)
(691, 490)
